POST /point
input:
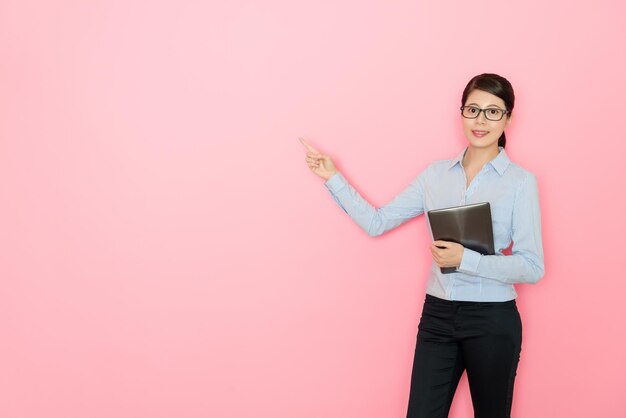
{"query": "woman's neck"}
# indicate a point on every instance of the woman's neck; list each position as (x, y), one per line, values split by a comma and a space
(478, 157)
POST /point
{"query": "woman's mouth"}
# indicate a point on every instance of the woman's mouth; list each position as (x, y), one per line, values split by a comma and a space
(480, 134)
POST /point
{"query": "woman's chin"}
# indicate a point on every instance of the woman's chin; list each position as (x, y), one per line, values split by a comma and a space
(483, 142)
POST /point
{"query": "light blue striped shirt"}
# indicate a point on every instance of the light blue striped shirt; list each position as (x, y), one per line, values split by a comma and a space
(513, 195)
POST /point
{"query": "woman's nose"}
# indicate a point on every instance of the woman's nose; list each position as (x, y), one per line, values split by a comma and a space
(481, 118)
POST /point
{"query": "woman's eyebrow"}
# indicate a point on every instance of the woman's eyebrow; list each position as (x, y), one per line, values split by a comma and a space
(476, 104)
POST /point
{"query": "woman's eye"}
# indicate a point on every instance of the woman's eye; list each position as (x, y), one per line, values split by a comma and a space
(494, 112)
(473, 110)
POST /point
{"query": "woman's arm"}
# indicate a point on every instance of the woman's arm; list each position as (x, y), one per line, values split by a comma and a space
(404, 206)
(525, 265)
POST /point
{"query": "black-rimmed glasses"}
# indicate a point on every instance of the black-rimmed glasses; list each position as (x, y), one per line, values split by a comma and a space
(491, 113)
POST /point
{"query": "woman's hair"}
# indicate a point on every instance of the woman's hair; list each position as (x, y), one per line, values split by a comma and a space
(496, 85)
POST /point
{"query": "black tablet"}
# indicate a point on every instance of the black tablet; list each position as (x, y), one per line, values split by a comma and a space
(468, 225)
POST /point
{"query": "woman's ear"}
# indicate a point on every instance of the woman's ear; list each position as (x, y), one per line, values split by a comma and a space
(508, 120)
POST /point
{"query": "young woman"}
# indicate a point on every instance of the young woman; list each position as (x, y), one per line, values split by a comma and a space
(470, 321)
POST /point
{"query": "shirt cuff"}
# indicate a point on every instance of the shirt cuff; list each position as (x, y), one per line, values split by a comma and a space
(469, 261)
(336, 183)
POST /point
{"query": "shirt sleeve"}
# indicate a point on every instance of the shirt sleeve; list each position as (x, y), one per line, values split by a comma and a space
(525, 265)
(406, 205)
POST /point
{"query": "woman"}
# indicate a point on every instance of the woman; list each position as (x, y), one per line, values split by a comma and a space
(470, 320)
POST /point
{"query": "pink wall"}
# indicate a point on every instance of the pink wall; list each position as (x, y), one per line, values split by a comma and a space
(165, 251)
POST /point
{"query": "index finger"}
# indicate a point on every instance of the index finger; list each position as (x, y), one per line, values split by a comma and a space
(309, 147)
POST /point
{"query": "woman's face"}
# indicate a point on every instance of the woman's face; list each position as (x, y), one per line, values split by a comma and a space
(482, 132)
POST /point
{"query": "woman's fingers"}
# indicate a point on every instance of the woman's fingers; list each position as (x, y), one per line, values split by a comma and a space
(447, 253)
(319, 163)
(312, 162)
(308, 146)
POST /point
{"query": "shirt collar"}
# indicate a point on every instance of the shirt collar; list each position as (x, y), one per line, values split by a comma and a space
(500, 163)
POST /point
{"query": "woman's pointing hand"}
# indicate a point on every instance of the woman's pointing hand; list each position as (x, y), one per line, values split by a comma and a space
(319, 163)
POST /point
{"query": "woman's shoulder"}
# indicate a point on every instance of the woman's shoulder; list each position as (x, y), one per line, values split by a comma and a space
(520, 172)
(520, 179)
(444, 163)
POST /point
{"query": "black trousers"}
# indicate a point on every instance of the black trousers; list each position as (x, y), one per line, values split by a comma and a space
(482, 338)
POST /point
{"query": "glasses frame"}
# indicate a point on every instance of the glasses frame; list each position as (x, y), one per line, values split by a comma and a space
(504, 112)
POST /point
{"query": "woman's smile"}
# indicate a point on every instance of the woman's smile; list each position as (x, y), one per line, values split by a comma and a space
(479, 134)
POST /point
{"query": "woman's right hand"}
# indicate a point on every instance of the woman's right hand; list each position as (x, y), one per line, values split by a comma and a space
(319, 163)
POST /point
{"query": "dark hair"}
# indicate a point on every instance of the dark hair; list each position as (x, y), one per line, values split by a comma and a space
(496, 85)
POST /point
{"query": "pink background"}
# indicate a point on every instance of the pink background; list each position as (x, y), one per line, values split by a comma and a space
(166, 252)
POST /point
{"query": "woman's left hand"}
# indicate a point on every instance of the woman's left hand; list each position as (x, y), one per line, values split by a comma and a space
(450, 256)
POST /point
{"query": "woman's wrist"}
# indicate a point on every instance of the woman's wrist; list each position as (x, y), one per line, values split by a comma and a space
(332, 174)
